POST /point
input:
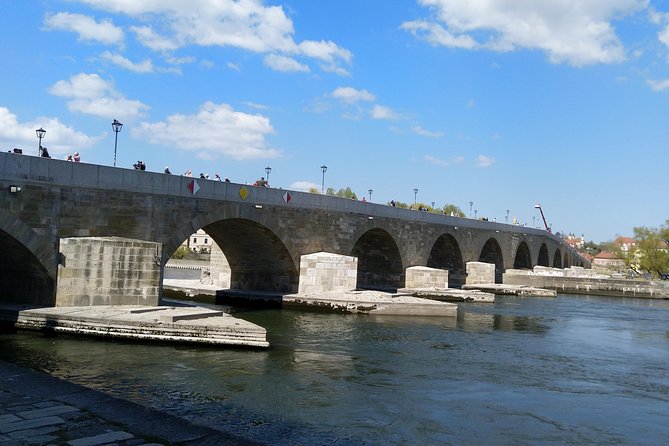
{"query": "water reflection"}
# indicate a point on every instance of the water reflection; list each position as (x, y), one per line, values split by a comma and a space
(520, 371)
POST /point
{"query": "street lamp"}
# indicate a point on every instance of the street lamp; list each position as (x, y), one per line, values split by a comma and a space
(415, 193)
(40, 134)
(471, 203)
(433, 205)
(267, 171)
(506, 219)
(323, 169)
(476, 211)
(370, 194)
(116, 126)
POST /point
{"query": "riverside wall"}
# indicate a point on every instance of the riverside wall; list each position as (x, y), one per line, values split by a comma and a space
(572, 283)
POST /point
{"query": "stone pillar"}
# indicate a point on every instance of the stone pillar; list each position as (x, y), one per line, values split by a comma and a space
(424, 277)
(480, 272)
(108, 271)
(219, 267)
(322, 272)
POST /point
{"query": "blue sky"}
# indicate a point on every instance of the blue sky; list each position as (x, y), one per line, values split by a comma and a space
(505, 103)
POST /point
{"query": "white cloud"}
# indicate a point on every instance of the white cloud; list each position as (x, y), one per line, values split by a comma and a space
(484, 161)
(442, 162)
(285, 64)
(59, 138)
(87, 28)
(663, 36)
(246, 24)
(576, 32)
(152, 40)
(90, 94)
(385, 113)
(659, 85)
(418, 130)
(304, 186)
(145, 66)
(216, 129)
(351, 95)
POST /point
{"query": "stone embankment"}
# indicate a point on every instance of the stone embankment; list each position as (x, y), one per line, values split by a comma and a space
(576, 280)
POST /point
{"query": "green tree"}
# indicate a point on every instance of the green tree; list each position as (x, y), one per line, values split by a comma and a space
(448, 208)
(313, 190)
(343, 193)
(650, 252)
(180, 253)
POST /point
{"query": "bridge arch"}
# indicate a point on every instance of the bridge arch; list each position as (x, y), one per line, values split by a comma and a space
(446, 254)
(523, 259)
(380, 263)
(28, 264)
(543, 256)
(258, 259)
(492, 253)
(557, 259)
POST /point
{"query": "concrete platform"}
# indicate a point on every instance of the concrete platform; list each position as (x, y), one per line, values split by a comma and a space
(373, 302)
(450, 294)
(162, 323)
(513, 290)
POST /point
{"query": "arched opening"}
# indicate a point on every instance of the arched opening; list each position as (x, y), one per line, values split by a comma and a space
(492, 253)
(257, 258)
(379, 261)
(446, 254)
(557, 259)
(523, 259)
(567, 260)
(543, 256)
(23, 279)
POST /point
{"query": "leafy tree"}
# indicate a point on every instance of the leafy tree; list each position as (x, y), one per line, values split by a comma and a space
(343, 193)
(180, 253)
(650, 253)
(399, 204)
(313, 190)
(448, 208)
(591, 248)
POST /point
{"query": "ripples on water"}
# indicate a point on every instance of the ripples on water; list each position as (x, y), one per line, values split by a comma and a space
(576, 369)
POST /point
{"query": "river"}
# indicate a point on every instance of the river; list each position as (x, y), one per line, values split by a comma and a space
(571, 370)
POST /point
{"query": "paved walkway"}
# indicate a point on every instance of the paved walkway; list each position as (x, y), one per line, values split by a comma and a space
(38, 409)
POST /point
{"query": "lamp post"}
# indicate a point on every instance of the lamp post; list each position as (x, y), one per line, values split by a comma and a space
(324, 168)
(433, 206)
(267, 171)
(370, 194)
(476, 211)
(506, 219)
(415, 193)
(471, 203)
(40, 134)
(116, 126)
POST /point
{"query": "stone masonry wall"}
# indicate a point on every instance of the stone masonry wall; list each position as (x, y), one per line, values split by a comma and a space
(219, 267)
(480, 272)
(108, 271)
(424, 277)
(322, 272)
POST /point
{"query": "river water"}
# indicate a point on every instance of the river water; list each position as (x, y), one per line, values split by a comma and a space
(571, 370)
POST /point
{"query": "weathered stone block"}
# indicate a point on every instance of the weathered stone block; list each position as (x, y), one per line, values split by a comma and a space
(96, 271)
(424, 277)
(480, 272)
(322, 272)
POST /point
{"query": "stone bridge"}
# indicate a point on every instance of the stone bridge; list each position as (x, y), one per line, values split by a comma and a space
(75, 233)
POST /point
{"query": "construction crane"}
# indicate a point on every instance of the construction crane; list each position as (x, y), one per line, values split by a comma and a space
(538, 206)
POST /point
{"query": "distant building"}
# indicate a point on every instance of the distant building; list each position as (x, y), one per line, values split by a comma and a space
(625, 243)
(608, 260)
(199, 242)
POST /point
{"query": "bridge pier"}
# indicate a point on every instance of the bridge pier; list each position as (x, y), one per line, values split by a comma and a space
(108, 271)
(323, 272)
(424, 277)
(480, 273)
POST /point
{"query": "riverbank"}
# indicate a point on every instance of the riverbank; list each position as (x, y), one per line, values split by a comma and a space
(577, 280)
(36, 408)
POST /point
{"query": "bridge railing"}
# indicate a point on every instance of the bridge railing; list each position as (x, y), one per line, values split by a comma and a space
(21, 169)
